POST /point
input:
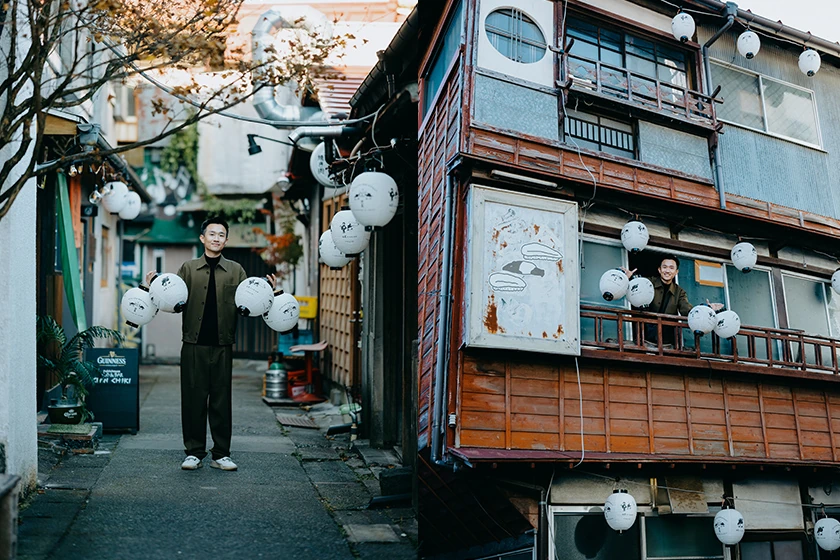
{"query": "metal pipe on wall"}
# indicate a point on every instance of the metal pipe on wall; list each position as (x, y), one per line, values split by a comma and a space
(443, 324)
(730, 10)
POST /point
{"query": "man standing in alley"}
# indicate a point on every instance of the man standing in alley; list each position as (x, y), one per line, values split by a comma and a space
(209, 329)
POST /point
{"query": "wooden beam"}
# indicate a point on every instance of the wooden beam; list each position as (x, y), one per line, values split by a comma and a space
(56, 126)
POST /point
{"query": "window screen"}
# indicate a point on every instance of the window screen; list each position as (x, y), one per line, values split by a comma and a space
(515, 35)
(750, 295)
(448, 50)
(772, 550)
(681, 537)
(596, 259)
(766, 104)
(697, 295)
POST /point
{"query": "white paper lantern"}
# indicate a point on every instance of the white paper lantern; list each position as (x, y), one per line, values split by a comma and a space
(634, 236)
(682, 26)
(640, 292)
(809, 62)
(613, 284)
(137, 307)
(827, 533)
(348, 234)
(749, 44)
(744, 256)
(330, 255)
(284, 313)
(116, 196)
(702, 319)
(169, 293)
(132, 206)
(729, 526)
(728, 324)
(620, 510)
(320, 169)
(835, 281)
(374, 199)
(253, 296)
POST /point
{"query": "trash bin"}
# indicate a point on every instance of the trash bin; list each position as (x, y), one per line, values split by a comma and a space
(8, 515)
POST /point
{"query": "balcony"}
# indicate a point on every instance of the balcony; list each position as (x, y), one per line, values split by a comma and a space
(640, 91)
(653, 338)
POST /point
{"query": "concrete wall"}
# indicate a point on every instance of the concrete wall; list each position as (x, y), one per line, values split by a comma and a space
(18, 432)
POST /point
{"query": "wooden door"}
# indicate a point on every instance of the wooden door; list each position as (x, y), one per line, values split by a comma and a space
(340, 312)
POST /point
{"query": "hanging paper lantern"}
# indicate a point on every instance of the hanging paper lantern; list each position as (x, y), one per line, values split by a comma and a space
(374, 199)
(634, 236)
(284, 313)
(348, 234)
(169, 293)
(702, 319)
(729, 526)
(827, 533)
(640, 292)
(132, 206)
(330, 255)
(620, 510)
(728, 324)
(749, 44)
(253, 296)
(319, 168)
(613, 284)
(682, 26)
(116, 196)
(809, 62)
(744, 256)
(835, 281)
(137, 307)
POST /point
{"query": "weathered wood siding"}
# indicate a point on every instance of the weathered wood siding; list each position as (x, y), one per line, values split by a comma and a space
(439, 141)
(642, 414)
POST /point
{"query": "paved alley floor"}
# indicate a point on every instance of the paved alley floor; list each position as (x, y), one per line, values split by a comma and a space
(296, 494)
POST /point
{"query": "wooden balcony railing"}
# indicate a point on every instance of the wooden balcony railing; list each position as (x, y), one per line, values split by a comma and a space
(635, 333)
(640, 90)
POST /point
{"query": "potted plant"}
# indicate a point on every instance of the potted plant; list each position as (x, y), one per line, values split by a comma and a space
(64, 359)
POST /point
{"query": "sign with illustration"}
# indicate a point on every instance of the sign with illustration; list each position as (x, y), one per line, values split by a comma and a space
(522, 272)
(114, 397)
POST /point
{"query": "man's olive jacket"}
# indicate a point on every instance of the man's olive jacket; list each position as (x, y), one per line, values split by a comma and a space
(678, 301)
(196, 274)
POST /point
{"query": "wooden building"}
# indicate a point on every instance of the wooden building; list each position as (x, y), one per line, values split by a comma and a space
(543, 129)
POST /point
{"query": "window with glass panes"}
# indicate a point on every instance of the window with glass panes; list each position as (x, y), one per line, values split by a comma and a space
(652, 59)
(766, 104)
(515, 35)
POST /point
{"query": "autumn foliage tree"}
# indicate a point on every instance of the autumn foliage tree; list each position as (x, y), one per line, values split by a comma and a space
(60, 53)
(283, 249)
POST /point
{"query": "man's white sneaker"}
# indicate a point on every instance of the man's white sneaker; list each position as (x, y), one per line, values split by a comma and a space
(224, 463)
(191, 463)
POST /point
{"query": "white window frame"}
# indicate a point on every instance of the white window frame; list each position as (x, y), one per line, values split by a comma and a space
(761, 78)
(822, 282)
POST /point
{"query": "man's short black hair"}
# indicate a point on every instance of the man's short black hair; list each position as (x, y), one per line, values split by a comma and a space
(214, 220)
(670, 257)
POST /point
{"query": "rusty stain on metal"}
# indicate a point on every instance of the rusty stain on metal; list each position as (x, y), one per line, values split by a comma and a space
(536, 228)
(491, 318)
(560, 266)
(496, 233)
(503, 244)
(545, 335)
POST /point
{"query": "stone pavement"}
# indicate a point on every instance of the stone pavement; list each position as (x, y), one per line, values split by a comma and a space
(297, 494)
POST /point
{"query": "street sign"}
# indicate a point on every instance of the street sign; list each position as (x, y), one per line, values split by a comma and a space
(114, 397)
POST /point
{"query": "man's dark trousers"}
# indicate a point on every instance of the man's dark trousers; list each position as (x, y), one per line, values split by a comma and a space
(206, 395)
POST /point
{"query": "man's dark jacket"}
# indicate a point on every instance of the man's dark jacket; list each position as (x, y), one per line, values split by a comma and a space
(677, 301)
(196, 274)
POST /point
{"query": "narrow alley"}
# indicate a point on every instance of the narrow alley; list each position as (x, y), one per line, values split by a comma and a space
(296, 494)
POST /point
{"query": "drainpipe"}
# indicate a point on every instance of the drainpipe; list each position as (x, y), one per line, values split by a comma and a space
(443, 325)
(730, 10)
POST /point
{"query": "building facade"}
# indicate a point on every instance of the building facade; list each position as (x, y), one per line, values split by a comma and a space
(544, 129)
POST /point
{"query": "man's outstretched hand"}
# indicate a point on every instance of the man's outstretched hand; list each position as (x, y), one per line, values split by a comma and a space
(629, 273)
(150, 276)
(714, 306)
(271, 280)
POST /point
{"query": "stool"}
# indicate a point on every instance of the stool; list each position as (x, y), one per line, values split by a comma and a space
(304, 384)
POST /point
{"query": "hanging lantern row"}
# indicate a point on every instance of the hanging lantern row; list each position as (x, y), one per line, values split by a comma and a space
(620, 511)
(168, 293)
(748, 44)
(115, 197)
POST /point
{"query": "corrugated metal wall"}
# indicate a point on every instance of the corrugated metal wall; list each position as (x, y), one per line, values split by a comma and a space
(764, 167)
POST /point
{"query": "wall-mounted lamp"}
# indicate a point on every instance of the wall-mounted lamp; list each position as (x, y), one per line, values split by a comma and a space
(88, 135)
(254, 148)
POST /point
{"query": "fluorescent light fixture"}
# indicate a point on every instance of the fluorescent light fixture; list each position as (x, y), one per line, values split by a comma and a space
(495, 173)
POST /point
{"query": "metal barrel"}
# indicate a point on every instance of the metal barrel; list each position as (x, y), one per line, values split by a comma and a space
(275, 383)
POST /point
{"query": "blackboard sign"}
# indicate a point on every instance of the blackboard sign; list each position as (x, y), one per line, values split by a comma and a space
(114, 397)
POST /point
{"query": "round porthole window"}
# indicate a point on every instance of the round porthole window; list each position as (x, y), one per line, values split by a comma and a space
(515, 35)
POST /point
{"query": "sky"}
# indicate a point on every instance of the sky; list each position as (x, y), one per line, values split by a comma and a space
(820, 17)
